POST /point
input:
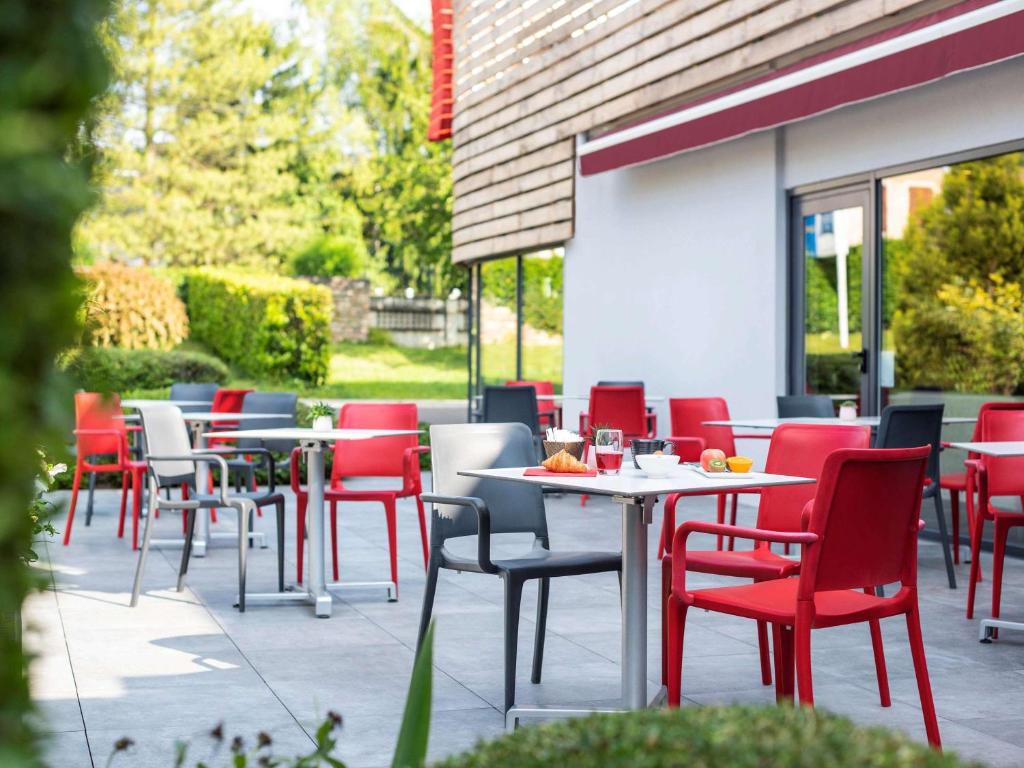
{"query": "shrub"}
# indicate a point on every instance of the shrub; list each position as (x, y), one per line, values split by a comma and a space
(130, 307)
(98, 369)
(737, 737)
(265, 325)
(330, 256)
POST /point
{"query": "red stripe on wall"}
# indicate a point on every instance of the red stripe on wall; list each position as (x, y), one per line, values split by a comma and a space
(984, 44)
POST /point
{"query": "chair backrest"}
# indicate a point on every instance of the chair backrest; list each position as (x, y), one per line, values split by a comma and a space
(866, 516)
(688, 415)
(908, 426)
(1005, 475)
(96, 410)
(619, 407)
(801, 450)
(606, 383)
(504, 405)
(167, 435)
(228, 400)
(793, 406)
(382, 456)
(185, 390)
(999, 405)
(514, 507)
(268, 402)
(541, 388)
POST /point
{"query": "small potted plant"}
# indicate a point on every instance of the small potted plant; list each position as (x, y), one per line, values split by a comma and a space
(323, 417)
(848, 410)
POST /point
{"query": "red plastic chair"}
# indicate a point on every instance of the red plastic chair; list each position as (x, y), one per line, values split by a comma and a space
(861, 532)
(548, 411)
(795, 449)
(99, 431)
(956, 482)
(382, 457)
(619, 408)
(992, 477)
(688, 415)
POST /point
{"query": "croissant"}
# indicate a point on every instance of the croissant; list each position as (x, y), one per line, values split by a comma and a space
(563, 461)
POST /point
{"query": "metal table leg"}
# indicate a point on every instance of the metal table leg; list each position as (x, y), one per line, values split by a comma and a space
(316, 578)
(987, 625)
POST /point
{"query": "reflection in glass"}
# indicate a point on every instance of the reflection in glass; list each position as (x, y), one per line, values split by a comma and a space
(542, 317)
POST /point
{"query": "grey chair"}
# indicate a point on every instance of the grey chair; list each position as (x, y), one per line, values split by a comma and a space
(472, 507)
(506, 405)
(908, 426)
(171, 463)
(243, 468)
(803, 406)
(183, 390)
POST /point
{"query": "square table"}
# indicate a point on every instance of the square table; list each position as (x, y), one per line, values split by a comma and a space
(314, 443)
(997, 450)
(637, 494)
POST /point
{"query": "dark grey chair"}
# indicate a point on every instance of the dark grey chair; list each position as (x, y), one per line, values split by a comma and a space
(466, 506)
(507, 405)
(803, 406)
(908, 426)
(261, 402)
(183, 390)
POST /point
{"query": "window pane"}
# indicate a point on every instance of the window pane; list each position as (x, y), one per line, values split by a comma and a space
(542, 317)
(498, 321)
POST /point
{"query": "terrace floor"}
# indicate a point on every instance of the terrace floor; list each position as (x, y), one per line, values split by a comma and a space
(181, 662)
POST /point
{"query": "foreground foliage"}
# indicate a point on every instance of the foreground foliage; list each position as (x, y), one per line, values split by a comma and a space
(706, 737)
(52, 68)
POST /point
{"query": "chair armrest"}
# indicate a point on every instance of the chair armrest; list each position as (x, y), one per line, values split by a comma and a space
(293, 470)
(264, 452)
(685, 447)
(696, 526)
(411, 467)
(483, 515)
(200, 458)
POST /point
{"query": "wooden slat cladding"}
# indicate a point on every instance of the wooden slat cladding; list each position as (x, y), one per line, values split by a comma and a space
(515, 128)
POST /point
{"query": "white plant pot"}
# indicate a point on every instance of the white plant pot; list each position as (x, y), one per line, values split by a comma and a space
(323, 424)
(848, 412)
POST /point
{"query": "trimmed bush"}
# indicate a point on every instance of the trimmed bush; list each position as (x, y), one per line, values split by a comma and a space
(264, 325)
(330, 256)
(132, 308)
(710, 737)
(99, 369)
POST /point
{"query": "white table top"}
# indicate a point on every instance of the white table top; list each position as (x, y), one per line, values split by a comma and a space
(1008, 448)
(305, 433)
(556, 398)
(865, 421)
(142, 403)
(232, 416)
(632, 482)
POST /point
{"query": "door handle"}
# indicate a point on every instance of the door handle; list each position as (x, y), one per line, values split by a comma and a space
(863, 355)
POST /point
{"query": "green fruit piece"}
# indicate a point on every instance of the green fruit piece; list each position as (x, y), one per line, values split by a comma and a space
(717, 465)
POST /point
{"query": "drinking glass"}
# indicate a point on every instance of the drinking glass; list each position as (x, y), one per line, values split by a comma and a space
(608, 445)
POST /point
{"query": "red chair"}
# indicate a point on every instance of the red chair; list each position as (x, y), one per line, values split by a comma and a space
(795, 449)
(688, 415)
(225, 401)
(548, 411)
(956, 482)
(100, 431)
(382, 457)
(619, 408)
(861, 532)
(992, 477)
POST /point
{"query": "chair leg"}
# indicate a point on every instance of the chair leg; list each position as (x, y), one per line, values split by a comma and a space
(878, 648)
(300, 534)
(424, 539)
(513, 599)
(88, 503)
(279, 509)
(75, 483)
(676, 610)
(186, 550)
(998, 557)
(762, 648)
(666, 590)
(543, 587)
(124, 505)
(782, 638)
(802, 652)
(243, 550)
(428, 600)
(975, 575)
(661, 540)
(954, 513)
(947, 550)
(732, 519)
(334, 539)
(924, 687)
(390, 517)
(720, 518)
(138, 479)
(146, 535)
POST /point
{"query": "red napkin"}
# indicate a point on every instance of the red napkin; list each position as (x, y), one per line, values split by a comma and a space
(542, 472)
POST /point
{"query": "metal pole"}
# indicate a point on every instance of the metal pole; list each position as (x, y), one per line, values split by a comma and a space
(519, 318)
(317, 576)
(634, 602)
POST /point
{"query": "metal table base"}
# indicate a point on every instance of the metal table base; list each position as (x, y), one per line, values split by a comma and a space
(519, 715)
(987, 625)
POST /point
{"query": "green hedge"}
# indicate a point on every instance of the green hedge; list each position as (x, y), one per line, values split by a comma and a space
(265, 325)
(706, 737)
(100, 369)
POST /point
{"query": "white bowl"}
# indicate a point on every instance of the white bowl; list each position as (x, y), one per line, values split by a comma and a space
(654, 465)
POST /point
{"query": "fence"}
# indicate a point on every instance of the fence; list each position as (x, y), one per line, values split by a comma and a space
(427, 323)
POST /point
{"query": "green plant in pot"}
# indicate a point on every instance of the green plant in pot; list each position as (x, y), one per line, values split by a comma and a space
(322, 417)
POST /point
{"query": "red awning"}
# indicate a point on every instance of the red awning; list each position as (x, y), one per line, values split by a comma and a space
(965, 36)
(442, 98)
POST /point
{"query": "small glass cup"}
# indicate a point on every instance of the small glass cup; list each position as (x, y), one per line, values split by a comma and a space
(608, 445)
